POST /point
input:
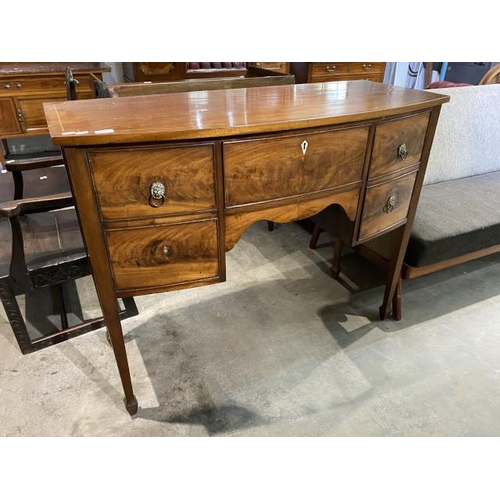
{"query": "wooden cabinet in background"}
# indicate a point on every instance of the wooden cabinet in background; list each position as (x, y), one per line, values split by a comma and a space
(24, 87)
(315, 72)
(175, 71)
(279, 67)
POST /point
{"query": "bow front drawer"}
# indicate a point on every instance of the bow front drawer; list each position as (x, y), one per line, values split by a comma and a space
(272, 168)
(386, 205)
(150, 182)
(398, 144)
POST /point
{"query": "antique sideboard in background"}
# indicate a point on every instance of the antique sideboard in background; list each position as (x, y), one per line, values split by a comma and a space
(24, 87)
(315, 72)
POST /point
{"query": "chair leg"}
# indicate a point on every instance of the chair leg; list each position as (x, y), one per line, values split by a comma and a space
(270, 225)
(315, 236)
(15, 317)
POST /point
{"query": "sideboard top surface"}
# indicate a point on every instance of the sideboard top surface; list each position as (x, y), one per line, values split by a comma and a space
(230, 112)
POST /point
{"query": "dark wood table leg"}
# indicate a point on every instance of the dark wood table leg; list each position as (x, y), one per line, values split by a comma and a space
(399, 241)
(338, 245)
(396, 301)
(88, 213)
(111, 315)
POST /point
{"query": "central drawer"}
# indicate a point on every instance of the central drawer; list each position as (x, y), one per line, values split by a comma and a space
(272, 168)
(124, 180)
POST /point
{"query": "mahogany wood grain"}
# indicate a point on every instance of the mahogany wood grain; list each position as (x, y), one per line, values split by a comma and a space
(239, 220)
(268, 168)
(225, 113)
(409, 131)
(376, 216)
(253, 135)
(94, 238)
(164, 255)
(123, 179)
(402, 234)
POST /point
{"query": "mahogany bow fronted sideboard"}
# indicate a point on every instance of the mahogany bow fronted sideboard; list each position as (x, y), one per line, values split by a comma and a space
(165, 185)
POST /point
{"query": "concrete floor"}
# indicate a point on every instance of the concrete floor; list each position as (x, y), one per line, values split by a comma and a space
(280, 349)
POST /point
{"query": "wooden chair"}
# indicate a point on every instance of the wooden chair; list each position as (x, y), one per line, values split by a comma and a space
(43, 249)
(491, 76)
(71, 82)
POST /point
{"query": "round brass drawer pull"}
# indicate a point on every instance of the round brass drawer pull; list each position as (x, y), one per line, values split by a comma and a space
(389, 206)
(157, 194)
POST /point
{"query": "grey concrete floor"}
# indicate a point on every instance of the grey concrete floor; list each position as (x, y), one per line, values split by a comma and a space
(280, 349)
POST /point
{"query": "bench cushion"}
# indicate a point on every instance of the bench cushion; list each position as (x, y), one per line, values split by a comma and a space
(467, 140)
(455, 218)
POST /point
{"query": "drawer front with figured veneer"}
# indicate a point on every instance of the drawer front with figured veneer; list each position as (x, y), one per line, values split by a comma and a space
(164, 256)
(151, 182)
(398, 144)
(386, 205)
(272, 168)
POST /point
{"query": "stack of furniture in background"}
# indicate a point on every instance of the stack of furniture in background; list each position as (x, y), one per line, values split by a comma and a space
(42, 252)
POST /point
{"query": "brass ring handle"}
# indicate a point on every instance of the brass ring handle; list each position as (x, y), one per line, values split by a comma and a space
(367, 66)
(157, 194)
(331, 69)
(402, 151)
(389, 206)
